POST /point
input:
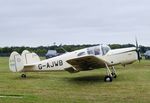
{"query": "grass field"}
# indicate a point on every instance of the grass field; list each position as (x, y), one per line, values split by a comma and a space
(131, 86)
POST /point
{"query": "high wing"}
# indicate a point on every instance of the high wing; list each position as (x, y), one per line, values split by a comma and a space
(86, 63)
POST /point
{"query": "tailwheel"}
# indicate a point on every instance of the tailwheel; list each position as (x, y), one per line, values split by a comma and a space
(114, 75)
(23, 76)
(108, 79)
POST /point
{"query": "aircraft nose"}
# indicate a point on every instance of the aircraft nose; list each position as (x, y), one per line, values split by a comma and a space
(139, 55)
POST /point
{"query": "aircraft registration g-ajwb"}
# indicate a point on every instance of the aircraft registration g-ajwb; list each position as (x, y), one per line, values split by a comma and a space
(80, 60)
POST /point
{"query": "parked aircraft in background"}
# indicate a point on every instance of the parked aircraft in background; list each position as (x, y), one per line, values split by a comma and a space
(147, 54)
(80, 60)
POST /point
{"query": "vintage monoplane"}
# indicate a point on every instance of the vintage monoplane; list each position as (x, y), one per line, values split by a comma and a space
(90, 58)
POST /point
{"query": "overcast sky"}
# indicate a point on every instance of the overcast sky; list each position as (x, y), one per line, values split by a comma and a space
(43, 22)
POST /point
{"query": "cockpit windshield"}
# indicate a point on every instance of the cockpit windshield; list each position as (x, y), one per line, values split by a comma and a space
(105, 49)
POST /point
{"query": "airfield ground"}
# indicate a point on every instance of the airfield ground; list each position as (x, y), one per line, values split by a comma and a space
(131, 86)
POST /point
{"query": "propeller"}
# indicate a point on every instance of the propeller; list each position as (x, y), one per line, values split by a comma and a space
(138, 50)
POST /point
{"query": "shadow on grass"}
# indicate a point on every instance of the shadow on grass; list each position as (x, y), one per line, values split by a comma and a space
(88, 79)
(29, 77)
(77, 79)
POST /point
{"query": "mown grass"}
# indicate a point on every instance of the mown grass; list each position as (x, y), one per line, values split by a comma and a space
(131, 86)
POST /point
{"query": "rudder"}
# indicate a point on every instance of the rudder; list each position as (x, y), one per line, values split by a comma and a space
(29, 58)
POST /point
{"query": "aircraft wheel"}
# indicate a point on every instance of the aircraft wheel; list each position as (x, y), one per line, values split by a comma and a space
(23, 75)
(108, 79)
(114, 75)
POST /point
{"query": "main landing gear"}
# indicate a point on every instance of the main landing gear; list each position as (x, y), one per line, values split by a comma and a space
(23, 76)
(110, 74)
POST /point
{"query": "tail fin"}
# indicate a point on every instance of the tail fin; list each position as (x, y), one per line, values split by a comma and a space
(16, 62)
(29, 58)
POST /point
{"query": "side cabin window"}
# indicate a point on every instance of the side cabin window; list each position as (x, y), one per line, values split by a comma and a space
(90, 51)
(97, 51)
(94, 50)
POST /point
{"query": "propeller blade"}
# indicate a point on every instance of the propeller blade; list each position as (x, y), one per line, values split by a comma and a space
(137, 45)
(138, 50)
(139, 55)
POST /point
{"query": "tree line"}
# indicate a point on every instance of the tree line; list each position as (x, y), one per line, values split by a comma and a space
(42, 50)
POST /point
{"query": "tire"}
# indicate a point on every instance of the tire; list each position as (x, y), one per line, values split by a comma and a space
(114, 75)
(23, 76)
(108, 79)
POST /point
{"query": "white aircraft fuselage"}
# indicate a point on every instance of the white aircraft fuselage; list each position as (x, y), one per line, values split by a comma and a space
(112, 57)
(80, 60)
